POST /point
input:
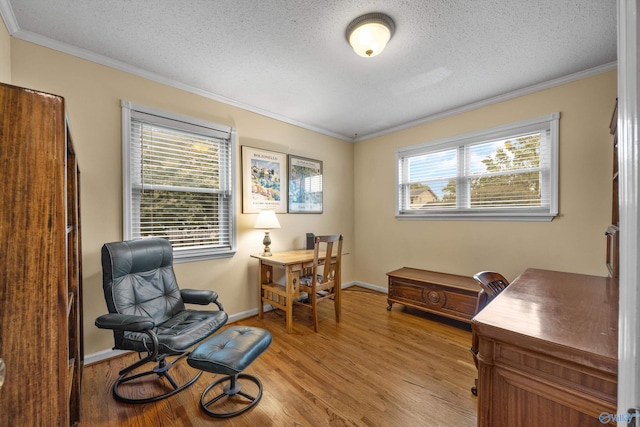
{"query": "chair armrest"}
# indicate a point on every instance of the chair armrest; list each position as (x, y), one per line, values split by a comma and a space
(200, 296)
(124, 322)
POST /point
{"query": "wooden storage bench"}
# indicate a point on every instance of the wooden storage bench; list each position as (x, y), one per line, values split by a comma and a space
(444, 294)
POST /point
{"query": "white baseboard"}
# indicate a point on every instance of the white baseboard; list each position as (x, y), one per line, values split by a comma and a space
(108, 354)
(382, 289)
(102, 355)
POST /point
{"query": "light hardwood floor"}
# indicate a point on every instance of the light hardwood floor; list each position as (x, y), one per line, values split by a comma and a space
(374, 368)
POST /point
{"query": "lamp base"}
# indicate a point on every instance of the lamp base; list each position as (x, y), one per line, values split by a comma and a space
(266, 242)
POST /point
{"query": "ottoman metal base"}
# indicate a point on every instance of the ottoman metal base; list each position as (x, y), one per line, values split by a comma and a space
(234, 388)
(228, 354)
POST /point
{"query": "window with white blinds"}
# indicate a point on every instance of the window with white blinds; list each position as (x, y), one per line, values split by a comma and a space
(504, 173)
(178, 182)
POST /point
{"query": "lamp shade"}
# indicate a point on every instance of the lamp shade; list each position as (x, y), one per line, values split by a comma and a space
(369, 34)
(267, 220)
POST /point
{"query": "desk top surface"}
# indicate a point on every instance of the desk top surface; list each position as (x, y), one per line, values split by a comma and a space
(556, 312)
(288, 257)
(292, 257)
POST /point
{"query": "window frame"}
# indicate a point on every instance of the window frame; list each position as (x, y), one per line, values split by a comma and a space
(547, 123)
(188, 125)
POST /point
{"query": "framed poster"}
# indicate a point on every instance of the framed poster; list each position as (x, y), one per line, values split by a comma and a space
(264, 180)
(305, 185)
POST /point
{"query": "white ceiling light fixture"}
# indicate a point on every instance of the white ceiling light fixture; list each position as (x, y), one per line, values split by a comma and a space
(369, 34)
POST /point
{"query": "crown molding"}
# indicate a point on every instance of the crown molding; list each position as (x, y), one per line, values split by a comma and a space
(15, 31)
(8, 17)
(496, 99)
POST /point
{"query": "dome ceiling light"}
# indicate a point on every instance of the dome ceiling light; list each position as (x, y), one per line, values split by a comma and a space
(369, 34)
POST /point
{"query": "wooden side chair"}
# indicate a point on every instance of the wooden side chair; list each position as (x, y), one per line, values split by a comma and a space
(492, 284)
(323, 281)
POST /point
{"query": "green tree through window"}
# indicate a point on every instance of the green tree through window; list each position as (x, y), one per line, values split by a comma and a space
(178, 182)
(509, 172)
(174, 161)
(513, 176)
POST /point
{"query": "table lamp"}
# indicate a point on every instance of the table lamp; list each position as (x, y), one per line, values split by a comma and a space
(267, 220)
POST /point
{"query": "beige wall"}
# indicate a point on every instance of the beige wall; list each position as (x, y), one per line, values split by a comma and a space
(5, 54)
(573, 242)
(93, 93)
(359, 184)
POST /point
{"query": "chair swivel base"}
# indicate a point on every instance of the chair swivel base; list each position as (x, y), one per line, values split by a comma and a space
(160, 370)
(234, 388)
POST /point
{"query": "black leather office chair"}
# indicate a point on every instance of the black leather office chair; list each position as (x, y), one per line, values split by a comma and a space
(147, 313)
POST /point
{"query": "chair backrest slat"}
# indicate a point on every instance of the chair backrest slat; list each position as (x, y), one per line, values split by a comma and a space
(493, 283)
(323, 251)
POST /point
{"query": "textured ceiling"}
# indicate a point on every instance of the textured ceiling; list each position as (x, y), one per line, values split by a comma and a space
(289, 59)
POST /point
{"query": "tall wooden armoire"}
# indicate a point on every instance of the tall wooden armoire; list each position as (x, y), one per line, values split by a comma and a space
(40, 262)
(613, 237)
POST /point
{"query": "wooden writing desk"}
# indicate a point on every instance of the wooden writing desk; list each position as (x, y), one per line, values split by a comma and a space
(278, 295)
(548, 351)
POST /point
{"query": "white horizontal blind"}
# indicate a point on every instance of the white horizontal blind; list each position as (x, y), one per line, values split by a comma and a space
(425, 175)
(507, 173)
(180, 184)
(499, 173)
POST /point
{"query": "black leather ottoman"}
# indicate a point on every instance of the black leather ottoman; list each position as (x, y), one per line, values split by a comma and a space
(229, 353)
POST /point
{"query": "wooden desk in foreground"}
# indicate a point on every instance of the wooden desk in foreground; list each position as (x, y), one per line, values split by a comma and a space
(548, 351)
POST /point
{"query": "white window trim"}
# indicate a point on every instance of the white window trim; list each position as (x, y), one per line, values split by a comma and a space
(183, 255)
(506, 214)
